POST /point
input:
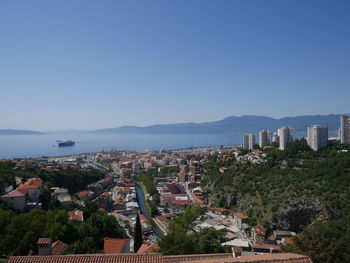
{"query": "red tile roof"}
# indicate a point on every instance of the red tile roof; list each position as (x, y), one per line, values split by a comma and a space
(214, 258)
(224, 257)
(241, 216)
(288, 240)
(275, 258)
(148, 248)
(76, 215)
(31, 183)
(44, 241)
(90, 258)
(158, 258)
(58, 248)
(82, 194)
(16, 193)
(114, 245)
(258, 230)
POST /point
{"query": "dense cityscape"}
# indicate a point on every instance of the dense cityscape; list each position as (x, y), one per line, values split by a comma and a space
(179, 131)
(145, 191)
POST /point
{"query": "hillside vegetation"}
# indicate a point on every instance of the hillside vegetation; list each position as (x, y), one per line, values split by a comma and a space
(292, 189)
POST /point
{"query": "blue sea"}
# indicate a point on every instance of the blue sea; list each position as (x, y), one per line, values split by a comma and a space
(20, 146)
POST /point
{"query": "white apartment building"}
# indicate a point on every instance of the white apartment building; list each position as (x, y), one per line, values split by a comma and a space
(265, 137)
(286, 136)
(317, 137)
(248, 141)
(345, 129)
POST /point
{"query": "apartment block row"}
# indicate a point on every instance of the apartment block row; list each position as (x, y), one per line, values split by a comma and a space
(317, 136)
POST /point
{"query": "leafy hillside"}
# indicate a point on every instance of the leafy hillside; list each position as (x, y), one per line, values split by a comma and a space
(72, 179)
(291, 190)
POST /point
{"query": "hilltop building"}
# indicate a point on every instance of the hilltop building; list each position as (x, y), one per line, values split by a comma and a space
(286, 136)
(345, 129)
(317, 137)
(265, 137)
(248, 141)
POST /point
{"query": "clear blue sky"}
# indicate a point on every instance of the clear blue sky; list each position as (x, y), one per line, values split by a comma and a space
(97, 64)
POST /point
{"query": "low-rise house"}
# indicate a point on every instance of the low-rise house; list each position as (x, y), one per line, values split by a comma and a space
(62, 196)
(86, 195)
(173, 197)
(287, 241)
(257, 234)
(17, 198)
(116, 245)
(32, 185)
(238, 245)
(104, 201)
(265, 248)
(177, 207)
(279, 234)
(241, 218)
(48, 248)
(271, 240)
(76, 216)
(182, 177)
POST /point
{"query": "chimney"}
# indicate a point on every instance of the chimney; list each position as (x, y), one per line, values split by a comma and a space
(44, 246)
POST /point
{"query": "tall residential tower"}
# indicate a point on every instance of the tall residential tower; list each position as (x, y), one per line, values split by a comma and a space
(286, 135)
(345, 129)
(317, 137)
(248, 141)
(265, 138)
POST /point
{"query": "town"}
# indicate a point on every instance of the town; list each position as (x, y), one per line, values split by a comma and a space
(157, 186)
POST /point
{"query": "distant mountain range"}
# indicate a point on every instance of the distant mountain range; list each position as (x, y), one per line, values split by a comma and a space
(233, 124)
(19, 132)
(244, 124)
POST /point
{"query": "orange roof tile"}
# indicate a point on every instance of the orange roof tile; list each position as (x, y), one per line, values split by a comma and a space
(76, 215)
(114, 245)
(44, 241)
(148, 248)
(222, 258)
(16, 193)
(241, 216)
(258, 230)
(90, 258)
(31, 183)
(58, 248)
(288, 240)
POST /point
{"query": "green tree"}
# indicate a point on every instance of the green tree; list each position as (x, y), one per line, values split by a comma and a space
(324, 243)
(137, 234)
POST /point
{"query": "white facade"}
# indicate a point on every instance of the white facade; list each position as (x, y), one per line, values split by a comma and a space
(317, 137)
(265, 137)
(248, 141)
(345, 129)
(286, 136)
(275, 137)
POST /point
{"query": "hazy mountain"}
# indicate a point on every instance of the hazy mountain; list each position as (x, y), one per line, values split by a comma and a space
(246, 123)
(19, 132)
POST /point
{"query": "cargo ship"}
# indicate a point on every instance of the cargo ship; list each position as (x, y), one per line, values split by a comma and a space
(66, 143)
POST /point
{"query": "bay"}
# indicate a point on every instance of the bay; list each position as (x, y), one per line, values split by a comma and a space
(21, 146)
